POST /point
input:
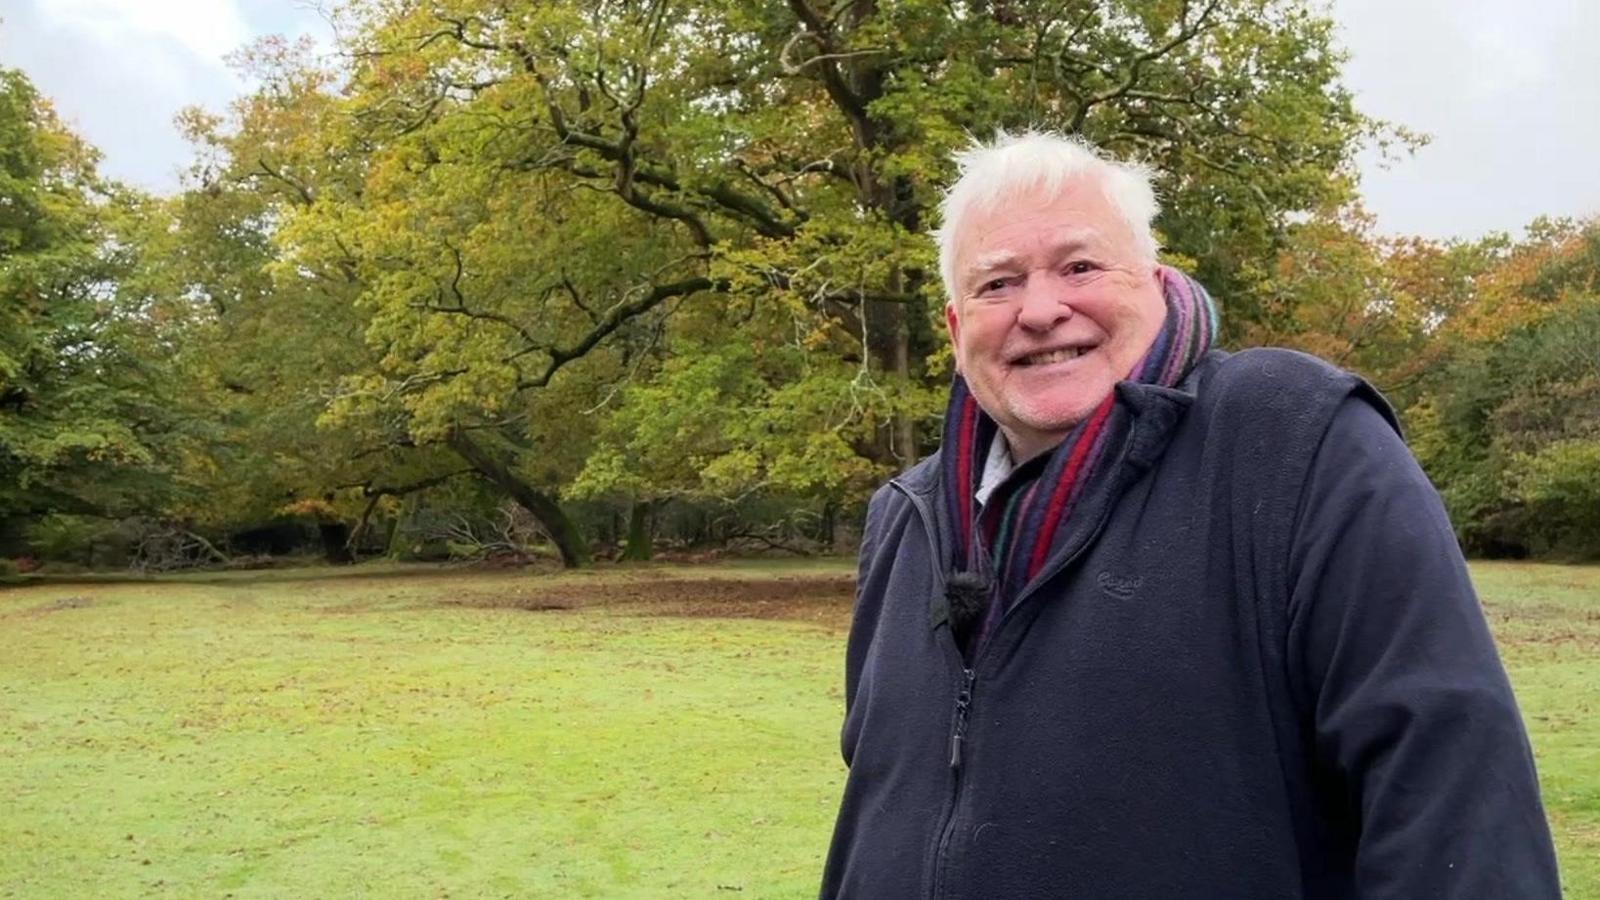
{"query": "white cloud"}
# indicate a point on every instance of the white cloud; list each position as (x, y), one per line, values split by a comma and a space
(119, 71)
(207, 29)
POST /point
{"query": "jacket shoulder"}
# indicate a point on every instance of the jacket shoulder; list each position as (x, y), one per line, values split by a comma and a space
(921, 478)
(1257, 372)
(889, 506)
(1276, 388)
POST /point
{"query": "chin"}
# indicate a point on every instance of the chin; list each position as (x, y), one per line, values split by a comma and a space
(1057, 414)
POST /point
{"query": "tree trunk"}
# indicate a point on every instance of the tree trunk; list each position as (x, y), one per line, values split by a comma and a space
(335, 542)
(889, 337)
(397, 528)
(905, 430)
(544, 508)
(641, 525)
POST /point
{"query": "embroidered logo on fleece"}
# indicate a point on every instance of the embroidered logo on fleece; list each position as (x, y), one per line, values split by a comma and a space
(1122, 587)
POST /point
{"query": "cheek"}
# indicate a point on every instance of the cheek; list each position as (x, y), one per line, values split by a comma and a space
(1130, 318)
(981, 338)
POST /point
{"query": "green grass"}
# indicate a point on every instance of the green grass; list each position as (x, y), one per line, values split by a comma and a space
(413, 733)
(344, 736)
(1547, 621)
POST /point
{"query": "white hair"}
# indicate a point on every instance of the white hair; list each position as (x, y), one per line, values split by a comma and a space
(1039, 163)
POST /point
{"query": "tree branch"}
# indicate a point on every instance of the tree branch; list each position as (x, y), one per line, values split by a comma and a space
(304, 192)
(615, 318)
(846, 97)
(368, 489)
(460, 308)
(1187, 31)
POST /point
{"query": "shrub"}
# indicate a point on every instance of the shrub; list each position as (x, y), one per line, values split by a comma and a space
(83, 541)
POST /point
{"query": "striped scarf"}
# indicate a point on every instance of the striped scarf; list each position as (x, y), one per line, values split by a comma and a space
(999, 551)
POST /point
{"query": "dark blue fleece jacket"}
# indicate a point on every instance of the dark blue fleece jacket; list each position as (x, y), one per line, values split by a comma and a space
(1264, 674)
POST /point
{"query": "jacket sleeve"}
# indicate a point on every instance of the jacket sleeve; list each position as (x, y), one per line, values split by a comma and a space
(1410, 712)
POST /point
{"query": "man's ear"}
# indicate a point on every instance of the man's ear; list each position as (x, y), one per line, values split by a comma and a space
(952, 322)
(1160, 289)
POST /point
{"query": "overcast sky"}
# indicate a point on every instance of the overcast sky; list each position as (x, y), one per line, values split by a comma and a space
(1509, 93)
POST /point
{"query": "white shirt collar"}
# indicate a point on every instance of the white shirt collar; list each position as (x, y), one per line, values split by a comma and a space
(995, 468)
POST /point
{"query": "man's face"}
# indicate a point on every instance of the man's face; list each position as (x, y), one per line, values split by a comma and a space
(1054, 305)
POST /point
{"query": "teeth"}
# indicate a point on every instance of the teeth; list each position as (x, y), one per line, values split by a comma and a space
(1054, 356)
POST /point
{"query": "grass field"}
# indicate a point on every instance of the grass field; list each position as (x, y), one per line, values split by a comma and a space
(661, 732)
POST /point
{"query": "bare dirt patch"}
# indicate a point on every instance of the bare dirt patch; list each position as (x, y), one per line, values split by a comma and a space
(824, 599)
(55, 606)
(1540, 612)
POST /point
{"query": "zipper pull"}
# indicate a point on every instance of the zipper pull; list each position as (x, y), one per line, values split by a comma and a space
(963, 705)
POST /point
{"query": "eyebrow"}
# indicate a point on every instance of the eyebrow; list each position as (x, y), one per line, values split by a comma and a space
(1004, 260)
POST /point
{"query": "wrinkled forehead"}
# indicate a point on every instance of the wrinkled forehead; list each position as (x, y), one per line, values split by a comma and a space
(1075, 211)
(1040, 245)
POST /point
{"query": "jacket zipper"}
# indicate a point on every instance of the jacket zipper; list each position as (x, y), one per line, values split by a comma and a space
(958, 735)
(963, 704)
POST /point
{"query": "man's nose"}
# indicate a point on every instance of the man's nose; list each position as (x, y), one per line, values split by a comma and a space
(1044, 303)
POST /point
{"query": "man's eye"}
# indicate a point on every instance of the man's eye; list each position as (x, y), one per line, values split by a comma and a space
(995, 284)
(1080, 267)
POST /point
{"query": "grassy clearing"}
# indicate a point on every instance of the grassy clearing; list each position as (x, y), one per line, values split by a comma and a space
(1547, 621)
(387, 737)
(662, 732)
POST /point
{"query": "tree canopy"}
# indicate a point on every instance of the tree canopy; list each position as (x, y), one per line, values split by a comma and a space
(85, 423)
(626, 258)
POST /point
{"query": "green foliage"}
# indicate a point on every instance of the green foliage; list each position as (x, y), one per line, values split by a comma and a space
(1560, 486)
(624, 254)
(85, 425)
(722, 423)
(1509, 426)
(81, 540)
(560, 196)
(268, 342)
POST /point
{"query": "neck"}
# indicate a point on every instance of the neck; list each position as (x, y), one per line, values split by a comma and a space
(1023, 449)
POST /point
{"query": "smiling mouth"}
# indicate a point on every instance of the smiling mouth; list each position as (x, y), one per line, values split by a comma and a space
(1051, 356)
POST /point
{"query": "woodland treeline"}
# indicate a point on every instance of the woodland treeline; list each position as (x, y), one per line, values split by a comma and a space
(501, 277)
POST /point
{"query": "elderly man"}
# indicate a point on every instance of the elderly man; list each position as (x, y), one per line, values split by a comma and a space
(1159, 621)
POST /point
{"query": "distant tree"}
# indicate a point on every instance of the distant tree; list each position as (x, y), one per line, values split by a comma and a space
(1381, 306)
(266, 344)
(86, 423)
(1508, 425)
(627, 251)
(538, 186)
(801, 150)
